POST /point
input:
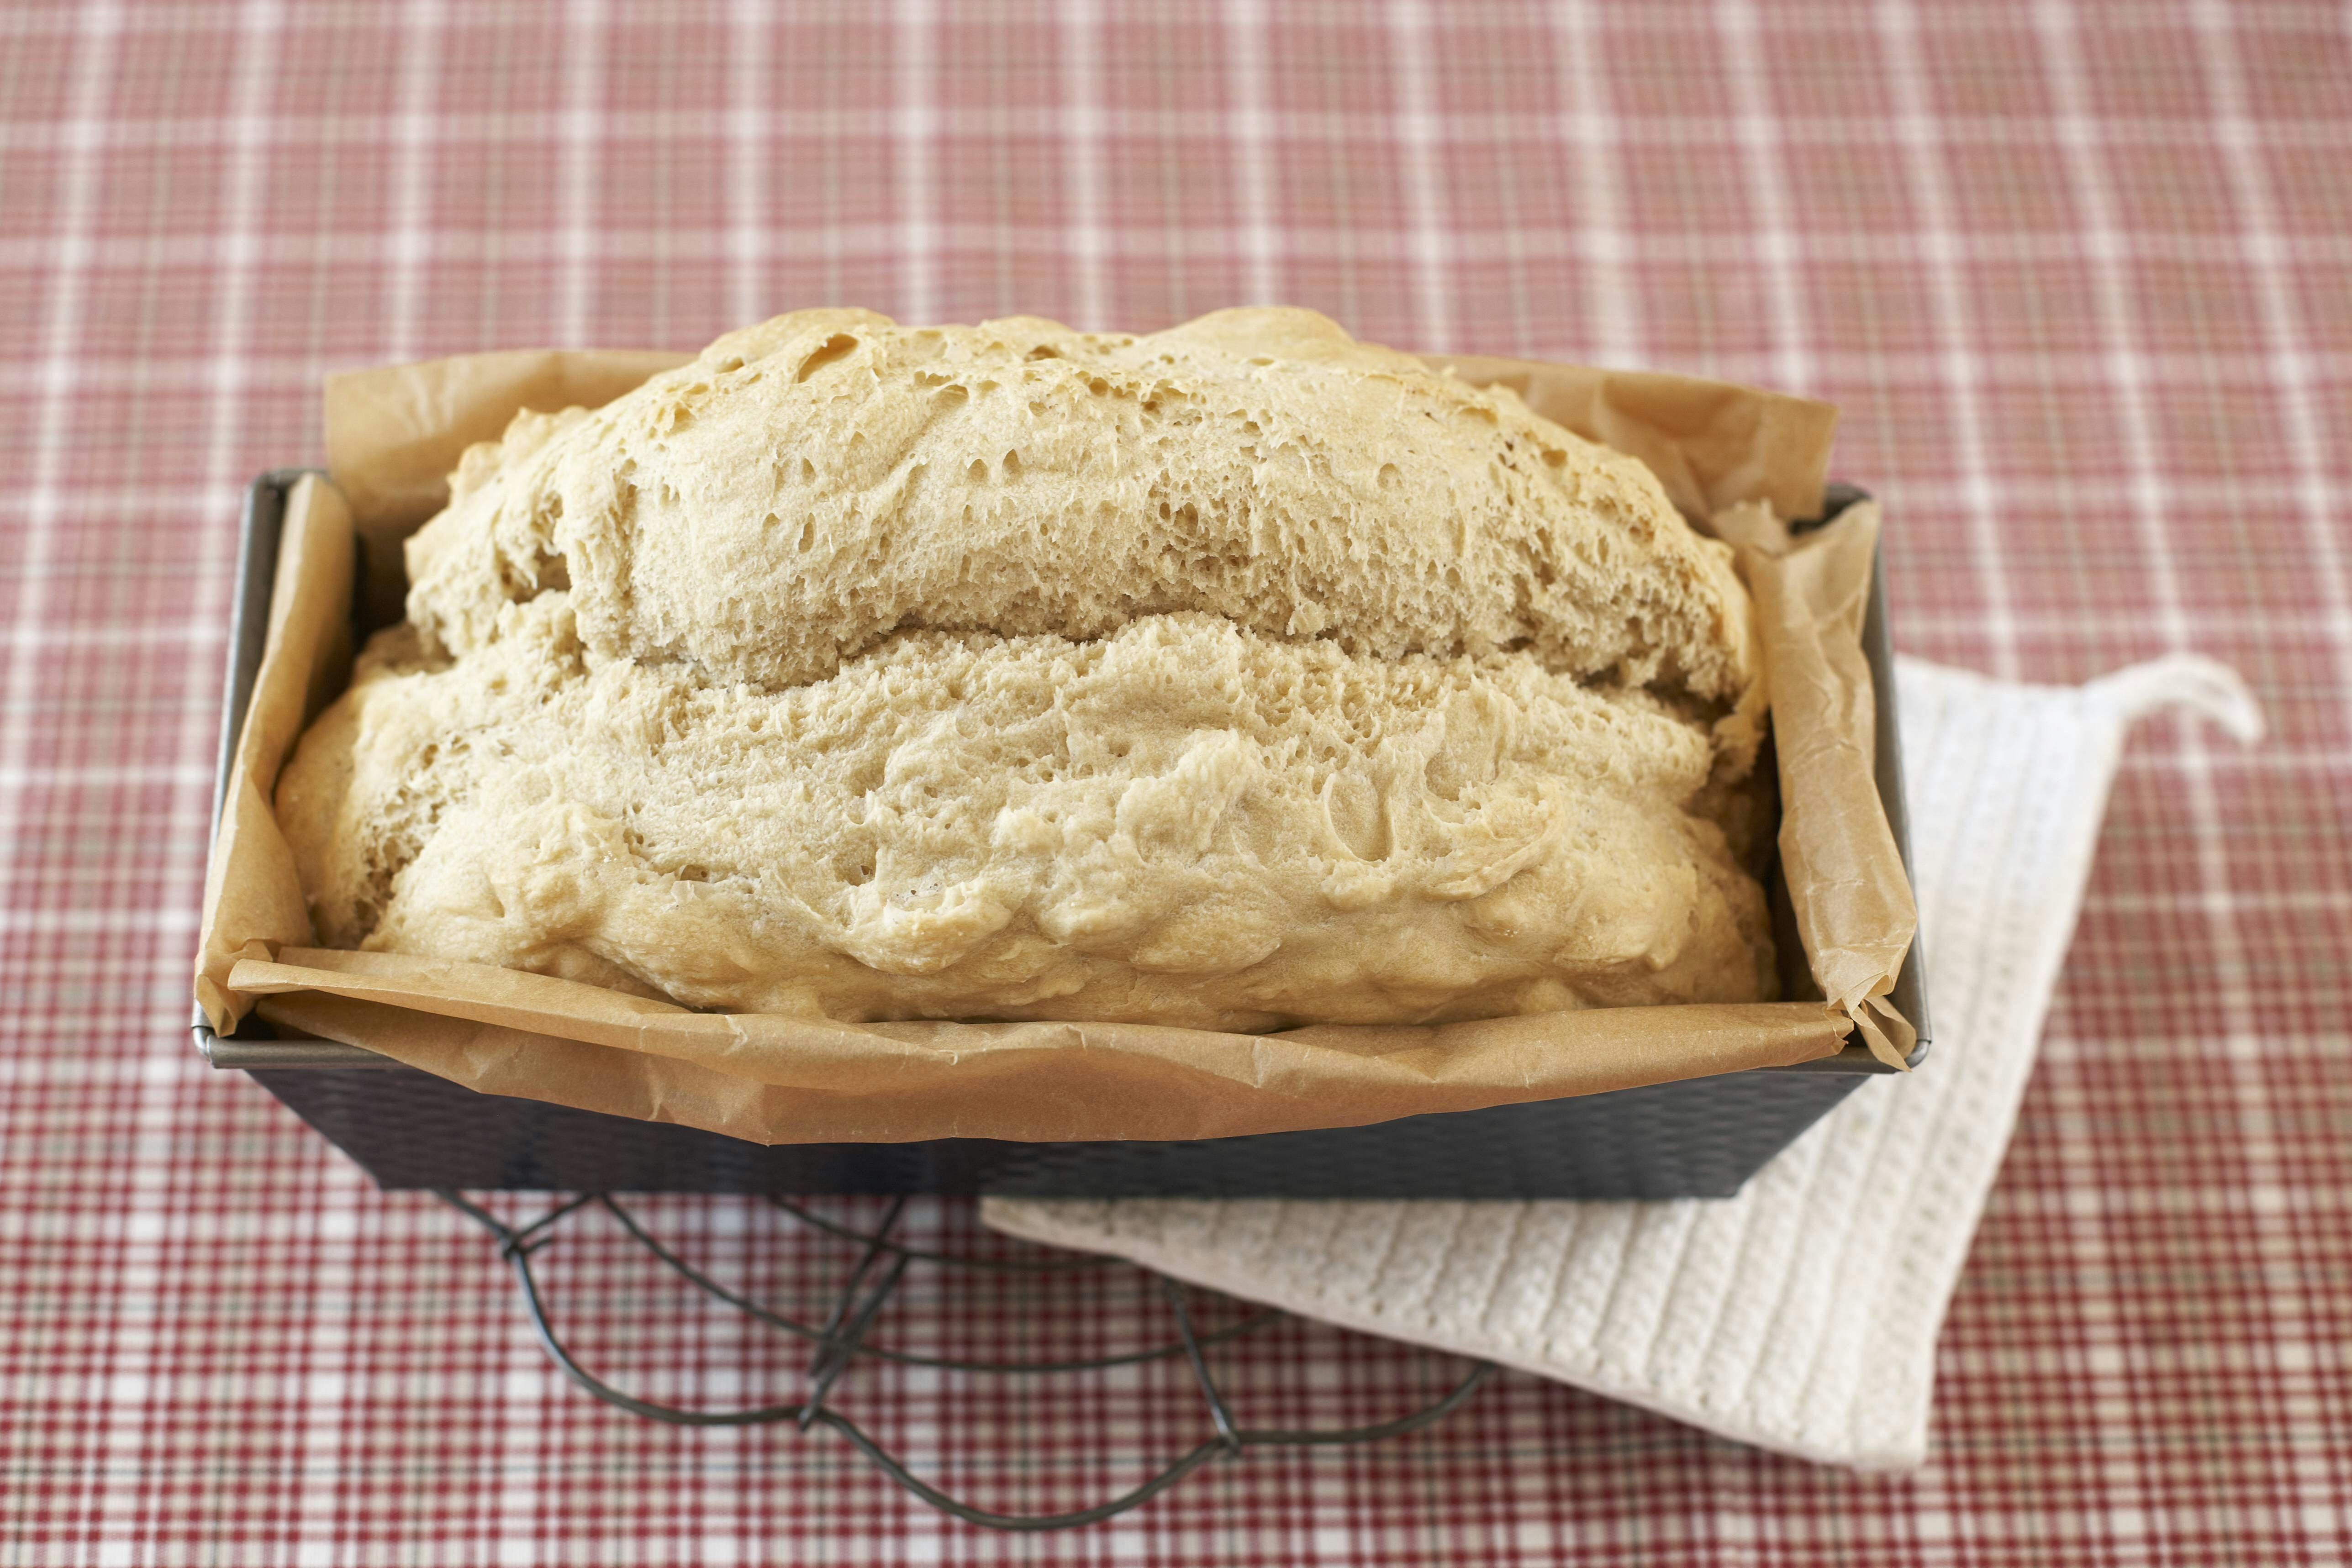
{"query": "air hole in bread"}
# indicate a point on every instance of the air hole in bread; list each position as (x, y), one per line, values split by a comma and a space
(837, 346)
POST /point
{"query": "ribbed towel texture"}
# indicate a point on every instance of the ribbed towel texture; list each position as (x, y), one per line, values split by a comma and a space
(1801, 1315)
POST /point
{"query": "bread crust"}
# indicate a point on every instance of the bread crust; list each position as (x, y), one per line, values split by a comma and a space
(1320, 692)
(807, 487)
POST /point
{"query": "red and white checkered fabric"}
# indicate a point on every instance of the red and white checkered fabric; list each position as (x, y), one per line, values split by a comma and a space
(2080, 278)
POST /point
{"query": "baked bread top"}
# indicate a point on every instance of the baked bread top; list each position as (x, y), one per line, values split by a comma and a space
(807, 487)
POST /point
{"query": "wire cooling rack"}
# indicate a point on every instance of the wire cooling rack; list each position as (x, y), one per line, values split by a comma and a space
(841, 1341)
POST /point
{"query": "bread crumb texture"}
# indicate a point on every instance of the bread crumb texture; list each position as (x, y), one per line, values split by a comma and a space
(1236, 676)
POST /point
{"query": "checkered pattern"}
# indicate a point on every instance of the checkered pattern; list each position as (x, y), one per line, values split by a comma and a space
(2079, 276)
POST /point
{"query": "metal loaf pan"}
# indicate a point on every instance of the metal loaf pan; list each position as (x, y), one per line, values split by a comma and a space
(1700, 1139)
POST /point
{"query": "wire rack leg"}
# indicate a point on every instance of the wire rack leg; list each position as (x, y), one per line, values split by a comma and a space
(852, 1317)
(1219, 1415)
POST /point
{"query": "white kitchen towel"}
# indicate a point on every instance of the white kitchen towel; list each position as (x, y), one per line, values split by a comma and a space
(1801, 1315)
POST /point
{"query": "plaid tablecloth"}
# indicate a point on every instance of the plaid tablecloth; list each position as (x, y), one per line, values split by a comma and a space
(2081, 279)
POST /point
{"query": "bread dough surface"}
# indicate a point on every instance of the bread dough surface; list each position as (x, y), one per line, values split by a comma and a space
(1235, 678)
(807, 487)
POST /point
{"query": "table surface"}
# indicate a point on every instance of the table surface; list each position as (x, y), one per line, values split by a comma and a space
(2080, 278)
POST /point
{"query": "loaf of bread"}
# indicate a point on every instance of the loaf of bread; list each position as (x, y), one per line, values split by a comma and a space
(1235, 676)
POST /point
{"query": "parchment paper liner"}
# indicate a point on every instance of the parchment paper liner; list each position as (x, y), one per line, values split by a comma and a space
(394, 434)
